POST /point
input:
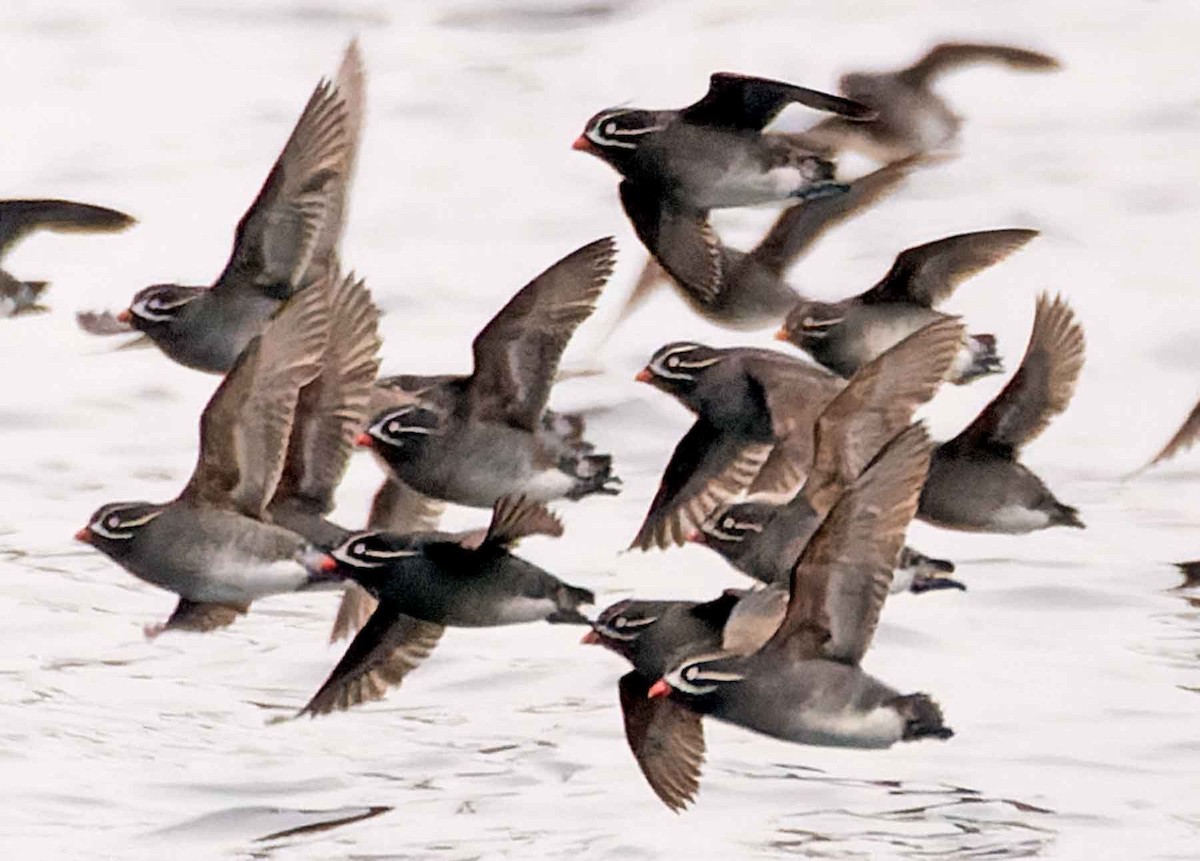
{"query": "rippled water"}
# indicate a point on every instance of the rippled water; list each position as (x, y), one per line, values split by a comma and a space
(1069, 669)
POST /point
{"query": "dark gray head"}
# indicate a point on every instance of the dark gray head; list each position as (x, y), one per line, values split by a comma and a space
(700, 676)
(113, 528)
(679, 367)
(615, 134)
(155, 308)
(403, 432)
(368, 557)
(733, 530)
(810, 323)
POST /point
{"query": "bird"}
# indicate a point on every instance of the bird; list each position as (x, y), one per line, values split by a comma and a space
(976, 483)
(426, 582)
(753, 293)
(754, 410)
(843, 335)
(475, 439)
(762, 538)
(213, 545)
(294, 222)
(804, 684)
(911, 118)
(1181, 440)
(19, 218)
(677, 165)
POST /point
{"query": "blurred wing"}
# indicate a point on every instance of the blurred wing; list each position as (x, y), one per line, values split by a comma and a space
(667, 741)
(1040, 389)
(706, 470)
(199, 617)
(928, 273)
(278, 236)
(950, 55)
(247, 424)
(388, 648)
(754, 620)
(742, 102)
(515, 517)
(19, 218)
(400, 509)
(840, 581)
(353, 612)
(102, 323)
(877, 403)
(682, 241)
(332, 408)
(1184, 438)
(517, 353)
(799, 226)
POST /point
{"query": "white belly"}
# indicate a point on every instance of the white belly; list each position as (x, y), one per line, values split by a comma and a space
(1016, 519)
(880, 727)
(234, 579)
(548, 484)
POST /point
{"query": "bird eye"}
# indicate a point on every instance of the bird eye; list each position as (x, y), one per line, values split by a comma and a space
(113, 521)
(393, 427)
(808, 321)
(689, 673)
(360, 549)
(619, 622)
(673, 362)
(610, 128)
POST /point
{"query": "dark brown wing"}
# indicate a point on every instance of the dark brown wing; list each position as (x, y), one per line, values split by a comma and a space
(517, 353)
(667, 741)
(387, 649)
(515, 517)
(245, 428)
(332, 408)
(199, 617)
(927, 274)
(278, 236)
(355, 609)
(19, 218)
(706, 470)
(682, 241)
(950, 55)
(1040, 389)
(736, 101)
(877, 403)
(753, 620)
(799, 226)
(1183, 439)
(796, 392)
(840, 581)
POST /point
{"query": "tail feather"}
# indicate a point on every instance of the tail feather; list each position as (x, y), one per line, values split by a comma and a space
(981, 360)
(1066, 515)
(922, 717)
(569, 598)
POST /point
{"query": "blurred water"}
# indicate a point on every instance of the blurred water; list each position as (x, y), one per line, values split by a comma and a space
(1069, 670)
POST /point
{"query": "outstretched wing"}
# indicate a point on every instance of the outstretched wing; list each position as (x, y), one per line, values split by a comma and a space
(736, 101)
(332, 408)
(950, 55)
(800, 225)
(706, 470)
(19, 218)
(1040, 389)
(246, 426)
(842, 577)
(667, 741)
(388, 648)
(517, 353)
(877, 403)
(1183, 439)
(927, 274)
(681, 240)
(278, 236)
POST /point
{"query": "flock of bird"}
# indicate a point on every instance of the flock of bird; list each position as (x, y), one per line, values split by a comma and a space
(803, 473)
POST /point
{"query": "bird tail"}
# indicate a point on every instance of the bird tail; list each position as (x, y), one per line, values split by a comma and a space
(593, 473)
(569, 598)
(1065, 515)
(922, 717)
